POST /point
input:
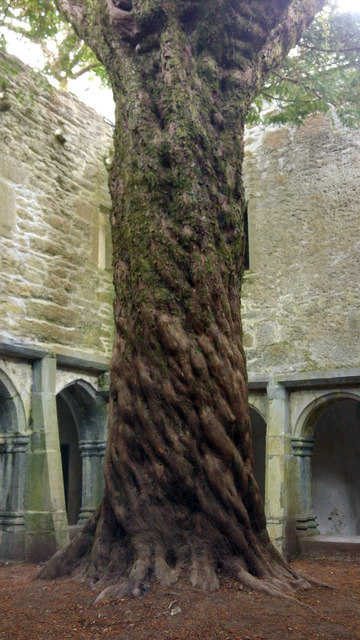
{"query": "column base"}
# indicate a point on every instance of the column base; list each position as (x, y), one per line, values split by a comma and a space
(84, 515)
(12, 536)
(306, 525)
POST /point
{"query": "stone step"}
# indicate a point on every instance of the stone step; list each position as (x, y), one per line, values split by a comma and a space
(326, 546)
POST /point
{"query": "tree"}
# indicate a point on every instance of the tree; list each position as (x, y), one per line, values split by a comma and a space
(320, 74)
(180, 497)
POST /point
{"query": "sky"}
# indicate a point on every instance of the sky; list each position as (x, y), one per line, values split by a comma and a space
(87, 88)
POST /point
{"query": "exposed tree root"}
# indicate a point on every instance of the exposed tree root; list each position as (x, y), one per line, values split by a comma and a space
(108, 564)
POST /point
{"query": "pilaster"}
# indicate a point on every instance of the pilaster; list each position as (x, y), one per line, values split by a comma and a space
(277, 451)
(46, 520)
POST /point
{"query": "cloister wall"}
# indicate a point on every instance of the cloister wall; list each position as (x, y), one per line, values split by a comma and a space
(55, 258)
(301, 296)
(301, 309)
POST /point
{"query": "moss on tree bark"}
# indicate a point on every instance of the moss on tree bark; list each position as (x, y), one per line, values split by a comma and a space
(180, 497)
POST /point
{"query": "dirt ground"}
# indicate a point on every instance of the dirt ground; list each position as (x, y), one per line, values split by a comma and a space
(63, 609)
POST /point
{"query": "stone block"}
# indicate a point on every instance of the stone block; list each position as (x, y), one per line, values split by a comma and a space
(11, 170)
(7, 210)
(277, 445)
(275, 498)
(51, 313)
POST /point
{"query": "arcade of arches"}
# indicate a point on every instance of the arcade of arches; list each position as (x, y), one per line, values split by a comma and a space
(52, 445)
(306, 435)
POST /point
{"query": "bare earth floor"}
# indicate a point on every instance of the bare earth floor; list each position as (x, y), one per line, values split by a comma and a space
(63, 609)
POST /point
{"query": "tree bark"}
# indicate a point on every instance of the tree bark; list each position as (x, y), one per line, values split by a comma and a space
(181, 497)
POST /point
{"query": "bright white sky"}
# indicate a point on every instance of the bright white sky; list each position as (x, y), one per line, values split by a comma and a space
(87, 88)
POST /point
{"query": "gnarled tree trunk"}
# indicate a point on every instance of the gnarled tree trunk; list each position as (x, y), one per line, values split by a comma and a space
(180, 494)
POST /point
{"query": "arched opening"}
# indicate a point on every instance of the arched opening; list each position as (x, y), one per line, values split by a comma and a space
(258, 427)
(13, 456)
(336, 468)
(70, 458)
(82, 433)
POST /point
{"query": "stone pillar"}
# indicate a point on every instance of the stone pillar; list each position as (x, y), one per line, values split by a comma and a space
(277, 450)
(302, 449)
(13, 447)
(46, 520)
(92, 453)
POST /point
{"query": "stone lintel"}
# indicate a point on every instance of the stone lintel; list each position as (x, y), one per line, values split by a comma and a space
(73, 360)
(22, 351)
(328, 378)
(257, 383)
(85, 361)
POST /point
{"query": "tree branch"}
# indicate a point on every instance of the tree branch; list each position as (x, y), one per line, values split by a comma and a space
(89, 67)
(298, 82)
(280, 40)
(343, 50)
(277, 99)
(74, 11)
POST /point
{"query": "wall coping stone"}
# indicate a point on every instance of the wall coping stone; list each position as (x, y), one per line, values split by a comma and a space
(308, 379)
(77, 360)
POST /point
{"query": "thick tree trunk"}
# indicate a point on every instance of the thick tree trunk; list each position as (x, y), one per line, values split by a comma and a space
(180, 497)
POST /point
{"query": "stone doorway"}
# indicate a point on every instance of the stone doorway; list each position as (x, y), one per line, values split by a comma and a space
(336, 468)
(258, 427)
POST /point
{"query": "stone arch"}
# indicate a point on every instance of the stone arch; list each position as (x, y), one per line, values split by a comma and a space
(331, 437)
(82, 432)
(12, 412)
(13, 448)
(258, 427)
(305, 423)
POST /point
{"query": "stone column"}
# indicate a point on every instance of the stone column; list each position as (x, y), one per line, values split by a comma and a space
(277, 450)
(13, 447)
(92, 453)
(302, 449)
(46, 520)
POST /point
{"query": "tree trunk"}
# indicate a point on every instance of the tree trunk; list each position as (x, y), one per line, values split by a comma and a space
(180, 497)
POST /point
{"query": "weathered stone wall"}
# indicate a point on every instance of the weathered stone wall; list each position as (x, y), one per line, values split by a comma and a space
(301, 307)
(56, 284)
(301, 296)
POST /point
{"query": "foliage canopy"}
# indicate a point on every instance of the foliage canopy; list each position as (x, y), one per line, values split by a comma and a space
(321, 74)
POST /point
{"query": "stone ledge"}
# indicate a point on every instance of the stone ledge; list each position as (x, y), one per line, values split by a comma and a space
(327, 378)
(315, 546)
(75, 360)
(307, 379)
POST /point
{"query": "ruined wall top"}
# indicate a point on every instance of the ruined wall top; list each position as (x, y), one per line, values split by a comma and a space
(56, 281)
(301, 296)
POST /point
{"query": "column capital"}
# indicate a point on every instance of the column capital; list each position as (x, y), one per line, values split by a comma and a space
(302, 446)
(91, 448)
(14, 442)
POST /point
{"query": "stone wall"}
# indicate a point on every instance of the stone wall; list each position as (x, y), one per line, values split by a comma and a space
(55, 258)
(301, 312)
(301, 296)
